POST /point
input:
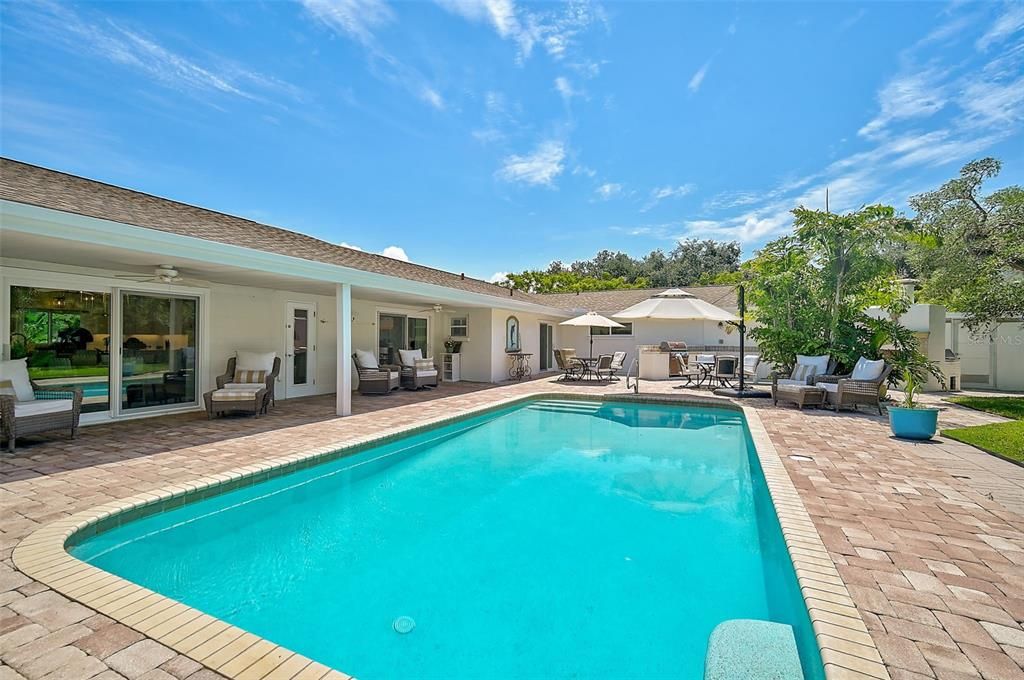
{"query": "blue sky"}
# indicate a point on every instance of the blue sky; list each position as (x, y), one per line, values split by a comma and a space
(487, 136)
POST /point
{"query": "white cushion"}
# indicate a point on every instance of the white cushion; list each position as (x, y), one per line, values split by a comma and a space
(409, 356)
(426, 372)
(367, 359)
(867, 370)
(751, 361)
(16, 371)
(791, 382)
(705, 358)
(820, 364)
(803, 373)
(39, 406)
(252, 387)
(829, 387)
(255, 361)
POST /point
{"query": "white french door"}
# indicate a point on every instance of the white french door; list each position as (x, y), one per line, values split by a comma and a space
(300, 350)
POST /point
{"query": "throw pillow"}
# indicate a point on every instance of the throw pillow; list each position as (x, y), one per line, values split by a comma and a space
(244, 376)
(16, 371)
(366, 359)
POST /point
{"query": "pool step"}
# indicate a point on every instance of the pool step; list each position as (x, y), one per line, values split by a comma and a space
(557, 406)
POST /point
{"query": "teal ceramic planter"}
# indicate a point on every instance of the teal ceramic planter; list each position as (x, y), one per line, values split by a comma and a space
(913, 423)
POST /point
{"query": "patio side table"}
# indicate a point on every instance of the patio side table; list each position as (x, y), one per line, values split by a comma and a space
(520, 367)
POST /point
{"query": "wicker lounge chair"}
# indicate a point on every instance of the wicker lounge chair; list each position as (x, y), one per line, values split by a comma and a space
(379, 379)
(571, 367)
(864, 385)
(417, 371)
(804, 370)
(233, 378)
(41, 408)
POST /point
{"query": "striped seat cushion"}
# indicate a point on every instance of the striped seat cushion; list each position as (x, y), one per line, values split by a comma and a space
(249, 376)
(236, 394)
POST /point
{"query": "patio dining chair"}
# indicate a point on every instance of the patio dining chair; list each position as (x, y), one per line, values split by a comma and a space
(618, 359)
(726, 370)
(750, 364)
(603, 368)
(571, 367)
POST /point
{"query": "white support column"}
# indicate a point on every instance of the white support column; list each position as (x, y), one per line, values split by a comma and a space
(343, 316)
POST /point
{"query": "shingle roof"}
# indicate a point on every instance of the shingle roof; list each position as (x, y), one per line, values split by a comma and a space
(611, 301)
(31, 184)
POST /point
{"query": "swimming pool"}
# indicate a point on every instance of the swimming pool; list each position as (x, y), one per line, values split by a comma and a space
(555, 539)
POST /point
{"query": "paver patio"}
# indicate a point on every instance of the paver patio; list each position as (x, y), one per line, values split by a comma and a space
(929, 538)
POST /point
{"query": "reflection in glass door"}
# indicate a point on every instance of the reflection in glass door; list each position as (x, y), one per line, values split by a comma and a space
(397, 331)
(158, 350)
(300, 362)
(64, 336)
(546, 341)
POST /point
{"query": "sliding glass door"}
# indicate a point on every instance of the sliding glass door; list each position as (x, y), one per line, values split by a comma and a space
(397, 331)
(64, 336)
(158, 350)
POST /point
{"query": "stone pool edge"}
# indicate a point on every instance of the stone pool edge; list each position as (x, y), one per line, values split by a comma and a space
(846, 647)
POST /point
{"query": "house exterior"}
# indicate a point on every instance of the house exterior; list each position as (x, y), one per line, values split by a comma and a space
(134, 295)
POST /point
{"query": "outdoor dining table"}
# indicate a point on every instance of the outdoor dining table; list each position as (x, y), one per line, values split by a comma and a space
(588, 367)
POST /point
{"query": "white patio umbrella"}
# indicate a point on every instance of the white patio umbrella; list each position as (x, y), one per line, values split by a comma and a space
(591, 319)
(675, 304)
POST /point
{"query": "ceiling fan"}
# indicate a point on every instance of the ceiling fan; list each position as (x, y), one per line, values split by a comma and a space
(438, 309)
(164, 273)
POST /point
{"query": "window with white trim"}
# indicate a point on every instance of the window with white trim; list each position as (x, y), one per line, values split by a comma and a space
(627, 329)
(458, 327)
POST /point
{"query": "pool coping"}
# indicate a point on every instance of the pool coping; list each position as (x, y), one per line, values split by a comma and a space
(846, 647)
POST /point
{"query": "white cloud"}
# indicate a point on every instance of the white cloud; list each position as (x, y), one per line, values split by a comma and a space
(396, 253)
(498, 277)
(432, 97)
(62, 26)
(1006, 25)
(608, 190)
(555, 30)
(357, 18)
(541, 167)
(584, 170)
(564, 88)
(994, 102)
(698, 77)
(661, 193)
(911, 95)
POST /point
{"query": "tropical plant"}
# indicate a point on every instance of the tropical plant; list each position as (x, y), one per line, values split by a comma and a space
(910, 388)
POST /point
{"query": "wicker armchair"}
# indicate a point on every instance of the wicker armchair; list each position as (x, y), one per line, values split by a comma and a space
(30, 421)
(842, 390)
(421, 373)
(380, 380)
(228, 377)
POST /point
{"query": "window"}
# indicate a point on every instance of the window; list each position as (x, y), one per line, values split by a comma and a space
(627, 329)
(459, 327)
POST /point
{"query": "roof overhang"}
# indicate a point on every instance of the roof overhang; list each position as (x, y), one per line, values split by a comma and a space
(56, 224)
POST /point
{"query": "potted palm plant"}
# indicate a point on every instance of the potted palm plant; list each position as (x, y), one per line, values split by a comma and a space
(910, 420)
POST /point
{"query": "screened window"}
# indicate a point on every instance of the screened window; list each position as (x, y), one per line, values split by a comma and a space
(627, 329)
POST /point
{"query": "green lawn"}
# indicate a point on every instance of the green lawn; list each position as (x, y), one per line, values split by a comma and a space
(1005, 439)
(1008, 407)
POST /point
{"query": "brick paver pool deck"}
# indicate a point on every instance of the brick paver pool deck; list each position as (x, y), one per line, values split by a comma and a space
(928, 538)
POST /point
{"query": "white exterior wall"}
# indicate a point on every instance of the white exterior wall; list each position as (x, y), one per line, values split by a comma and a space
(1008, 345)
(246, 318)
(529, 340)
(649, 332)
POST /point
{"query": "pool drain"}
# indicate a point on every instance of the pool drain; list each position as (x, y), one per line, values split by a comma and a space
(403, 624)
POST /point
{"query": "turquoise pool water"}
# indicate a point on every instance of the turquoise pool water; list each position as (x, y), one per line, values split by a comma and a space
(551, 539)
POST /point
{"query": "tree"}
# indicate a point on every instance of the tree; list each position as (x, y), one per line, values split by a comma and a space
(969, 248)
(691, 262)
(566, 282)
